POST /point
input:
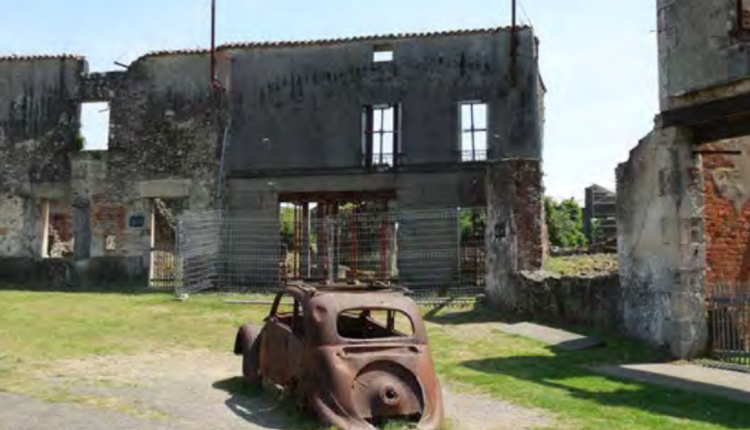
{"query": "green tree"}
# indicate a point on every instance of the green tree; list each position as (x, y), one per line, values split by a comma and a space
(473, 224)
(564, 223)
(287, 226)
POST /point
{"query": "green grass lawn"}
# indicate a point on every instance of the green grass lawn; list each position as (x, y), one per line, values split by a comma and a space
(469, 350)
(575, 265)
(530, 373)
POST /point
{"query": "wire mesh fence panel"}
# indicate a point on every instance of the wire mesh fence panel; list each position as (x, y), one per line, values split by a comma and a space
(250, 255)
(198, 242)
(729, 323)
(428, 251)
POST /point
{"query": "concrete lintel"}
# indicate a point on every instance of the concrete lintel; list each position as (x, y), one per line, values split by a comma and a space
(165, 188)
(49, 190)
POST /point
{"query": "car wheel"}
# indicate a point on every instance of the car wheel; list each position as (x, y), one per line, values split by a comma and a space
(251, 363)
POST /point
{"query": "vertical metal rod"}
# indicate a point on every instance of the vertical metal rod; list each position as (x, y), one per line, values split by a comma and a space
(297, 240)
(513, 41)
(383, 250)
(213, 42)
(353, 228)
(306, 263)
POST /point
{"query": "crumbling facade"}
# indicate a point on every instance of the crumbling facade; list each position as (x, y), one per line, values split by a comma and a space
(324, 122)
(162, 144)
(682, 200)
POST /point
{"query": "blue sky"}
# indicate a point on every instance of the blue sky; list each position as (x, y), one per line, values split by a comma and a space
(598, 57)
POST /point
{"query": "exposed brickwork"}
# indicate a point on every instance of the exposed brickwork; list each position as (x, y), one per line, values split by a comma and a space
(108, 217)
(529, 207)
(727, 215)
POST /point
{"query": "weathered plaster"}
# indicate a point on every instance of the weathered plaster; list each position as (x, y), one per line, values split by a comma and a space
(296, 126)
(701, 55)
(661, 257)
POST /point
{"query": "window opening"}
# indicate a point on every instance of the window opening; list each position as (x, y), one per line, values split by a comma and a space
(473, 131)
(57, 230)
(744, 14)
(381, 135)
(94, 127)
(374, 324)
(110, 243)
(382, 54)
(292, 318)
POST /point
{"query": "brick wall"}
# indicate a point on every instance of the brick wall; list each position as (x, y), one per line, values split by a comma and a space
(528, 213)
(727, 214)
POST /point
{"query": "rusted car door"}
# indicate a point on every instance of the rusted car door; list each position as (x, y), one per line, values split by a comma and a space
(282, 344)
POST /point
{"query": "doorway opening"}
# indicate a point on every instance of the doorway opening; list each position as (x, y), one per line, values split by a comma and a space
(164, 266)
(339, 237)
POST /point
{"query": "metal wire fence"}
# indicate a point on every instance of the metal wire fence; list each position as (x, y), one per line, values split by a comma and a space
(432, 252)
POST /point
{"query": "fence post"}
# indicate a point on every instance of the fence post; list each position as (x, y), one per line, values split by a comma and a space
(330, 245)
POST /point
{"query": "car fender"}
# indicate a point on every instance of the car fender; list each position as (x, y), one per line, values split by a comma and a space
(246, 335)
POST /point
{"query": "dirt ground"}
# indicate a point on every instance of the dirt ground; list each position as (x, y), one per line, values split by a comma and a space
(188, 390)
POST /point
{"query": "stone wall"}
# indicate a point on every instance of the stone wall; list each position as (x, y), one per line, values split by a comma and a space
(292, 116)
(163, 143)
(37, 130)
(515, 237)
(701, 48)
(293, 104)
(682, 216)
(165, 131)
(593, 301)
(661, 246)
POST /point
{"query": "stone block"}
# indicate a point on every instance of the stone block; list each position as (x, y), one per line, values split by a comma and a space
(165, 188)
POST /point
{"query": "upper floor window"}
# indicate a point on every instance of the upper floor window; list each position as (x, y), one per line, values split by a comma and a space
(381, 135)
(473, 131)
(743, 11)
(94, 135)
(382, 53)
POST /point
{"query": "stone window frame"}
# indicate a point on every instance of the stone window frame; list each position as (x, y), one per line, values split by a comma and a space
(468, 150)
(376, 131)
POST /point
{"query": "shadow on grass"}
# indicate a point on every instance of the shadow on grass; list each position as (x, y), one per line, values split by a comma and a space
(256, 406)
(479, 313)
(618, 346)
(564, 371)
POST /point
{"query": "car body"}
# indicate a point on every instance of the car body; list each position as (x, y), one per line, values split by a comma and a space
(352, 355)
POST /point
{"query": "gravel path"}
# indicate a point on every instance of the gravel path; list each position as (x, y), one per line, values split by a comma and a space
(186, 390)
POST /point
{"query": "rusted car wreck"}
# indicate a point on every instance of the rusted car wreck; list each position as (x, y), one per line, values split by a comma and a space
(352, 355)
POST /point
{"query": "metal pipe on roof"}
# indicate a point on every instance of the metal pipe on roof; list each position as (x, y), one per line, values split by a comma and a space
(513, 41)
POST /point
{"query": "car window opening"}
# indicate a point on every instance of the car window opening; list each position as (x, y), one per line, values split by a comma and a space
(293, 319)
(374, 324)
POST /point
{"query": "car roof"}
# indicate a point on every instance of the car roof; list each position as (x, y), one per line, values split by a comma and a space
(388, 296)
(340, 288)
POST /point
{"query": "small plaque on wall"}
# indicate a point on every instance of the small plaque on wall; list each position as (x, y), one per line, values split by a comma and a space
(137, 221)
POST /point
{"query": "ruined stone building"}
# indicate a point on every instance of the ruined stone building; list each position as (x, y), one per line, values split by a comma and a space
(684, 222)
(599, 216)
(416, 122)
